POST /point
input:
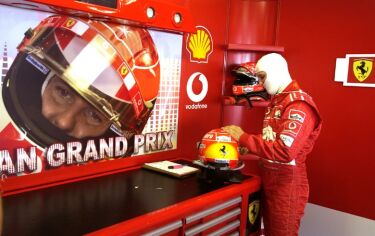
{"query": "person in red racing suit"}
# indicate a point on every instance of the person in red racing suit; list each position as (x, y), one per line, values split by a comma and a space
(290, 128)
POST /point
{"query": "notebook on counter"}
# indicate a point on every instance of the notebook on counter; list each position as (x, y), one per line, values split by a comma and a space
(171, 168)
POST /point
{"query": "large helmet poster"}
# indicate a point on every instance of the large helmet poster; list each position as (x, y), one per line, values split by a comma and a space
(75, 91)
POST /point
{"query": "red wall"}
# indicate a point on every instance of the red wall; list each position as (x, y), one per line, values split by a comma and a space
(341, 166)
(230, 22)
(249, 23)
(194, 123)
(315, 33)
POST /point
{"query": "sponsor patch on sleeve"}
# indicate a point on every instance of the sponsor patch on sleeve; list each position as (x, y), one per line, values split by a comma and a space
(292, 127)
(297, 115)
(287, 140)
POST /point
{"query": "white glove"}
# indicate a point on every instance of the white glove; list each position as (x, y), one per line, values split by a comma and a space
(268, 134)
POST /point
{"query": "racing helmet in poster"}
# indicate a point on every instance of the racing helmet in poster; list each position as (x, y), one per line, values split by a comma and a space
(112, 68)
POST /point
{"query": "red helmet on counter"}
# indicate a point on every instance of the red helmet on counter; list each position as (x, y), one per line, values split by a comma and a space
(115, 68)
(219, 156)
(219, 149)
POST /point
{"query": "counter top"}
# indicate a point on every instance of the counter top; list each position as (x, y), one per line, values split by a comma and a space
(86, 206)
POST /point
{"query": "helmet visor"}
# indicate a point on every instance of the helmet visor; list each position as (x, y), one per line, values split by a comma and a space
(90, 65)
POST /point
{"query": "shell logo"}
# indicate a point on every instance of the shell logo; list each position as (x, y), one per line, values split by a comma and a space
(199, 45)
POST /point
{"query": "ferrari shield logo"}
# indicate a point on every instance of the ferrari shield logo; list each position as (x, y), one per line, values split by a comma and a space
(253, 211)
(123, 70)
(362, 69)
(69, 23)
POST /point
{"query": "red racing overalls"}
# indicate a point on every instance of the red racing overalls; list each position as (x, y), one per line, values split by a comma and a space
(293, 117)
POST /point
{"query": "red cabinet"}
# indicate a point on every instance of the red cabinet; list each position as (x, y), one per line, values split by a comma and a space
(134, 202)
(224, 211)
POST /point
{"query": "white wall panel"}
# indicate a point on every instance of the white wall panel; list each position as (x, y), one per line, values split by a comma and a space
(322, 221)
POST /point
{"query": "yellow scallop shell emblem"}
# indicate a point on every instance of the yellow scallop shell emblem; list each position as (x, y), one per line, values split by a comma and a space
(200, 45)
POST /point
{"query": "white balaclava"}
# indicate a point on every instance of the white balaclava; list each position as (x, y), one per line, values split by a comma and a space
(276, 68)
(46, 82)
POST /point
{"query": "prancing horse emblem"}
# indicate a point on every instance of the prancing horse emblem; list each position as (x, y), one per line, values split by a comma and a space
(362, 69)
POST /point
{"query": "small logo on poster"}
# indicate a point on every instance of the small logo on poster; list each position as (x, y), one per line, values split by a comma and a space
(69, 23)
(199, 45)
(123, 70)
(362, 68)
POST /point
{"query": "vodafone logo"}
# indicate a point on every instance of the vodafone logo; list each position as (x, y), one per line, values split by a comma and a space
(189, 87)
(201, 95)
